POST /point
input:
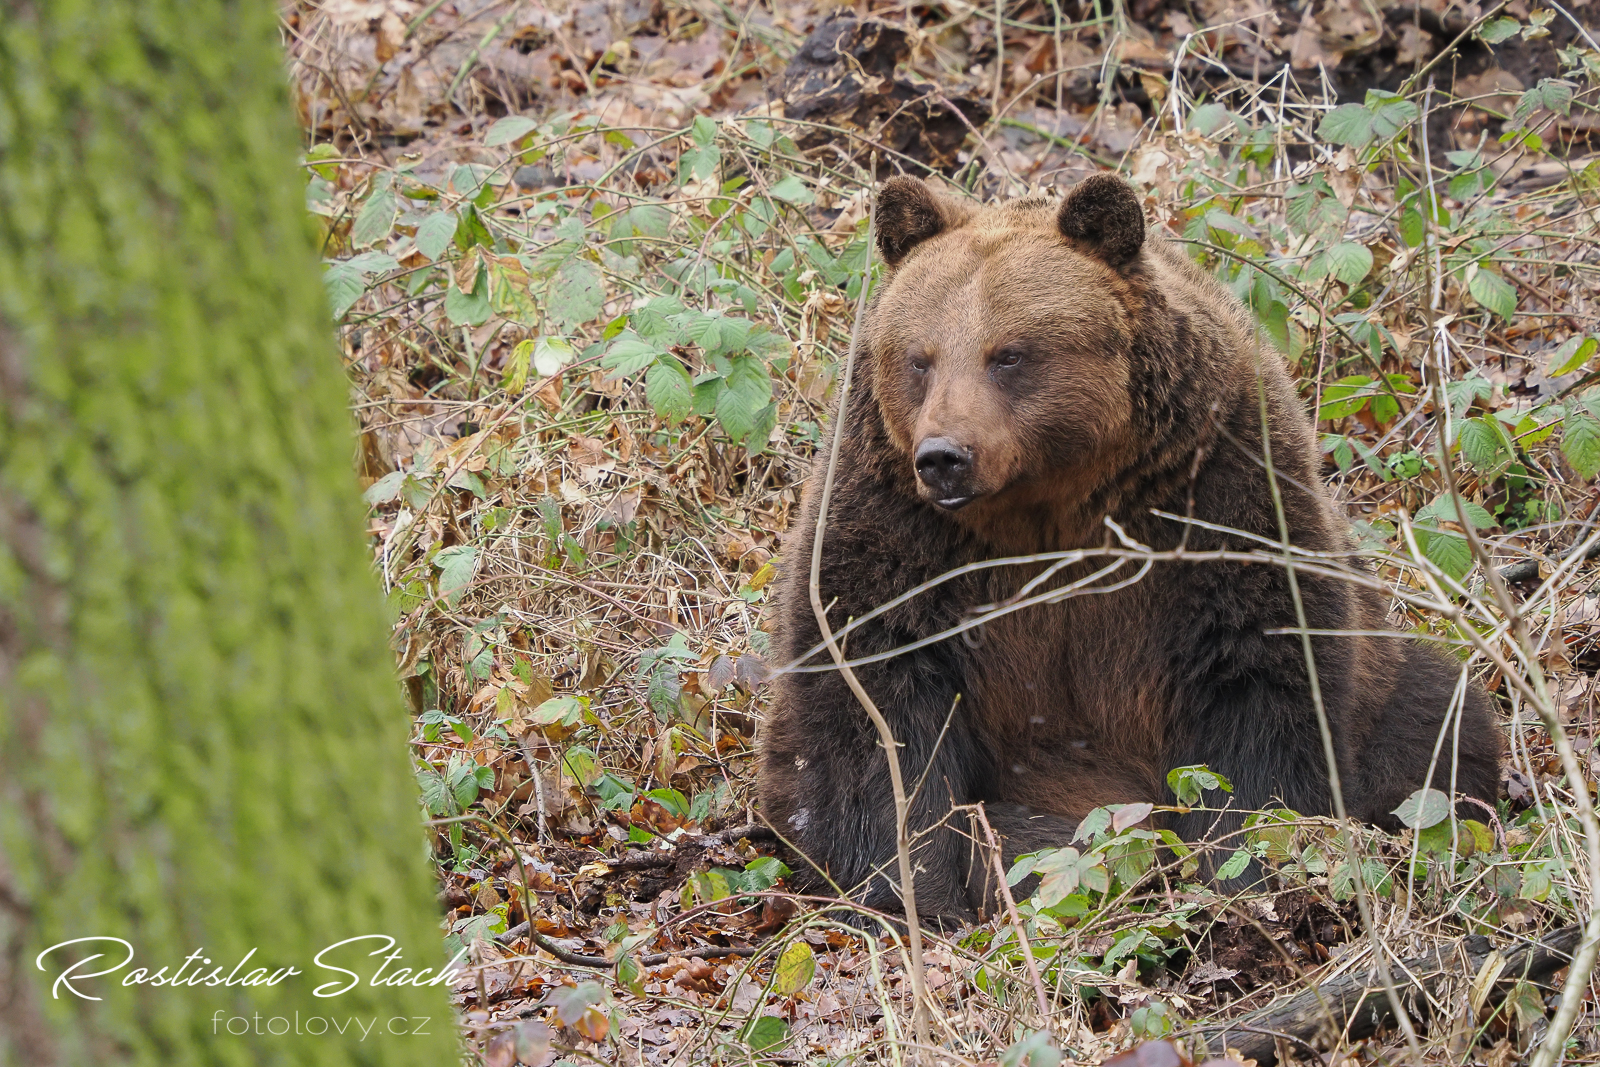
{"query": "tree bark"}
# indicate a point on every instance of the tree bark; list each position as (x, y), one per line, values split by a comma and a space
(201, 742)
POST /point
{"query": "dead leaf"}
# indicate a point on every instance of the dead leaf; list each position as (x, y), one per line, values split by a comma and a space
(1130, 815)
(391, 37)
(719, 674)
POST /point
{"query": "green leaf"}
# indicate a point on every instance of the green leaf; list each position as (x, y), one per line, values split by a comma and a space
(1234, 866)
(345, 286)
(1552, 94)
(1187, 783)
(384, 489)
(657, 319)
(1497, 30)
(792, 190)
(1580, 443)
(1536, 881)
(1413, 228)
(649, 220)
(767, 1034)
(1151, 1022)
(435, 233)
(377, 214)
(1218, 219)
(456, 565)
(567, 711)
(1347, 124)
(582, 764)
(463, 309)
(1423, 808)
(664, 692)
(1034, 1050)
(704, 130)
(629, 354)
(761, 873)
(669, 389)
(794, 969)
(749, 387)
(1342, 882)
(704, 328)
(372, 263)
(1484, 444)
(1208, 118)
(465, 789)
(1383, 407)
(1098, 821)
(511, 128)
(1573, 353)
(1494, 293)
(1338, 446)
(1461, 392)
(324, 151)
(1443, 509)
(577, 295)
(1345, 397)
(1349, 262)
(1391, 112)
(1127, 945)
(515, 377)
(468, 179)
(1450, 553)
(1062, 870)
(671, 799)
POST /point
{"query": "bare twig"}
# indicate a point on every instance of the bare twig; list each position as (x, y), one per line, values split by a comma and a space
(1011, 911)
(891, 749)
(1361, 1009)
(1335, 787)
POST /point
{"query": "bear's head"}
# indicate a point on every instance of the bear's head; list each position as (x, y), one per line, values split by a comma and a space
(1001, 342)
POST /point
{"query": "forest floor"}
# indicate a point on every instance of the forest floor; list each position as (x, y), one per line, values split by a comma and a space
(594, 264)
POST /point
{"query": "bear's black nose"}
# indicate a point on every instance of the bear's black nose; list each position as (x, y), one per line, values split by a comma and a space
(944, 467)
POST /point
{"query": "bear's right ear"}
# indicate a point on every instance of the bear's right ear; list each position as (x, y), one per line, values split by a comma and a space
(1102, 216)
(909, 213)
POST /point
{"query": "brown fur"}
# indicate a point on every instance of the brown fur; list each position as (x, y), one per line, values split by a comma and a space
(1068, 370)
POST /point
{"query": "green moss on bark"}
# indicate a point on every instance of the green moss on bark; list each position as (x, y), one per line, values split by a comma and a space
(201, 745)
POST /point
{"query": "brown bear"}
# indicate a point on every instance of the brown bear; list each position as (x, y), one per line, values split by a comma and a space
(1028, 371)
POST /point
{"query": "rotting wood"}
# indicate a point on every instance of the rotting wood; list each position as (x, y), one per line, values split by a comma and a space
(1357, 1003)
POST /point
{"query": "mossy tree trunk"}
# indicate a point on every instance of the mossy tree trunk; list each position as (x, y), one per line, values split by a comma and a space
(201, 744)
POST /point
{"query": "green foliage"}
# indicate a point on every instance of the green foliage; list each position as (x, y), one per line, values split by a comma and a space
(1381, 116)
(1496, 30)
(1493, 292)
(718, 883)
(691, 342)
(1447, 550)
(1188, 783)
(1423, 808)
(1034, 1049)
(766, 1033)
(1152, 1022)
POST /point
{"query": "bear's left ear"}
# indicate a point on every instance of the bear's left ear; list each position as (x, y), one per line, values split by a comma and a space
(1102, 216)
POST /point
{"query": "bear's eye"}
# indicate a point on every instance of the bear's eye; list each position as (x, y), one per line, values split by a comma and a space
(1008, 357)
(919, 364)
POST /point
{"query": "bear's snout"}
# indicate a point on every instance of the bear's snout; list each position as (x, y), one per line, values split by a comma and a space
(945, 468)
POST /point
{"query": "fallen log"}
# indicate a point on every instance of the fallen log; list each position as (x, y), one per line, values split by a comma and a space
(1356, 1004)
